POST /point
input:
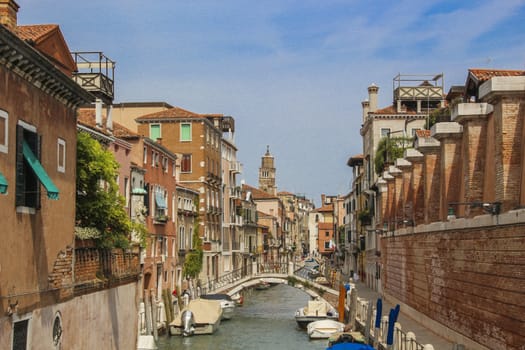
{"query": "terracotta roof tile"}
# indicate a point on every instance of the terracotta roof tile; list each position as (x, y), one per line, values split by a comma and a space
(257, 193)
(35, 32)
(423, 133)
(392, 110)
(87, 118)
(171, 113)
(326, 208)
(485, 74)
(285, 193)
(121, 131)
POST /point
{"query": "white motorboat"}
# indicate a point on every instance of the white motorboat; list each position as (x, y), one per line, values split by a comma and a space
(323, 329)
(227, 304)
(199, 317)
(315, 310)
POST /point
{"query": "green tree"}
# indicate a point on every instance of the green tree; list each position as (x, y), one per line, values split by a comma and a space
(194, 259)
(99, 207)
(438, 115)
(388, 150)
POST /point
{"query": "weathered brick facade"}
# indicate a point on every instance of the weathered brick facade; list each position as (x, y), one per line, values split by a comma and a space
(464, 268)
(470, 280)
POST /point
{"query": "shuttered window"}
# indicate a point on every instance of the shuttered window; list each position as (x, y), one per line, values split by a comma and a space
(185, 132)
(154, 131)
(185, 164)
(27, 186)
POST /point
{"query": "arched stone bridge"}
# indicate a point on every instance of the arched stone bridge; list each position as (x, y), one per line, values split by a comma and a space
(237, 281)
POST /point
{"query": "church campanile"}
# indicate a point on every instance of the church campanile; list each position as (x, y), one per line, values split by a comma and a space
(267, 174)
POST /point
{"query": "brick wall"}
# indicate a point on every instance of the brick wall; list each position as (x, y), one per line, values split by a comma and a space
(470, 280)
(473, 165)
(98, 268)
(61, 277)
(466, 273)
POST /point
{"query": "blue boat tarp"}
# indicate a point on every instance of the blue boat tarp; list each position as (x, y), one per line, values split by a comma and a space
(350, 346)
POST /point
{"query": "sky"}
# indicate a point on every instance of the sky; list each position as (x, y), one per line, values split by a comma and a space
(293, 73)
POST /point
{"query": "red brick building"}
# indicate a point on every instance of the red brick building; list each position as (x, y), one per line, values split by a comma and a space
(197, 138)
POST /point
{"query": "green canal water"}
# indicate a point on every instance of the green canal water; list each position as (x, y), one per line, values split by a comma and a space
(266, 321)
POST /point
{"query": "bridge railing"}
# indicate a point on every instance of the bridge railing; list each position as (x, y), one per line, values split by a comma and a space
(231, 277)
(228, 278)
(276, 267)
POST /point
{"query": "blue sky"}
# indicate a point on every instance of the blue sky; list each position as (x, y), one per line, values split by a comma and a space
(292, 73)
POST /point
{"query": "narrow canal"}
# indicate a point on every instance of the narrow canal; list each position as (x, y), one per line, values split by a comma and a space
(266, 321)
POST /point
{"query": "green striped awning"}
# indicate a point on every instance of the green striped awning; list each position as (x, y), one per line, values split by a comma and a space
(52, 190)
(3, 184)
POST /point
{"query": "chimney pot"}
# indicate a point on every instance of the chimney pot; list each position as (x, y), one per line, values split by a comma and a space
(8, 14)
(372, 97)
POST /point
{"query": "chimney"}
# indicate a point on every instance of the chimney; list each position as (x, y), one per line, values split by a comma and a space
(366, 109)
(109, 118)
(8, 12)
(98, 113)
(372, 97)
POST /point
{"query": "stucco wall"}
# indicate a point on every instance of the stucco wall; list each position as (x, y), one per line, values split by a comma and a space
(102, 320)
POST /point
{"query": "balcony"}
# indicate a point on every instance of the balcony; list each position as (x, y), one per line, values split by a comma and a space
(237, 220)
(235, 167)
(95, 74)
(160, 219)
(235, 192)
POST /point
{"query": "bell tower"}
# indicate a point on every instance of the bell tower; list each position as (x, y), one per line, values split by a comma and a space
(267, 174)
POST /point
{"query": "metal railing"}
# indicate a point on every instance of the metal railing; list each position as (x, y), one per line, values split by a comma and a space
(231, 277)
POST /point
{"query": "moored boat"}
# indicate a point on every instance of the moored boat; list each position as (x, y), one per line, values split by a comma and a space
(227, 304)
(262, 285)
(348, 341)
(315, 310)
(323, 329)
(199, 317)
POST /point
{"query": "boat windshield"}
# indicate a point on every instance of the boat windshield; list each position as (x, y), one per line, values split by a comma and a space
(216, 297)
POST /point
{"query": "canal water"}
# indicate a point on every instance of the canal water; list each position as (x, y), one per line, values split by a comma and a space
(266, 321)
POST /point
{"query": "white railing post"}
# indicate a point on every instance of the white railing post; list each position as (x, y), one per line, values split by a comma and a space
(398, 338)
(410, 341)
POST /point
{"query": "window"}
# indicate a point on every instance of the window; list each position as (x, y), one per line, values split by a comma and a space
(185, 132)
(385, 132)
(3, 131)
(185, 164)
(126, 191)
(191, 237)
(327, 245)
(20, 330)
(61, 155)
(29, 170)
(154, 132)
(182, 238)
(327, 234)
(145, 155)
(160, 206)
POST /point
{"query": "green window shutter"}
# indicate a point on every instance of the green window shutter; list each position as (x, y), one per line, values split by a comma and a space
(38, 154)
(185, 132)
(20, 173)
(3, 184)
(42, 176)
(154, 131)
